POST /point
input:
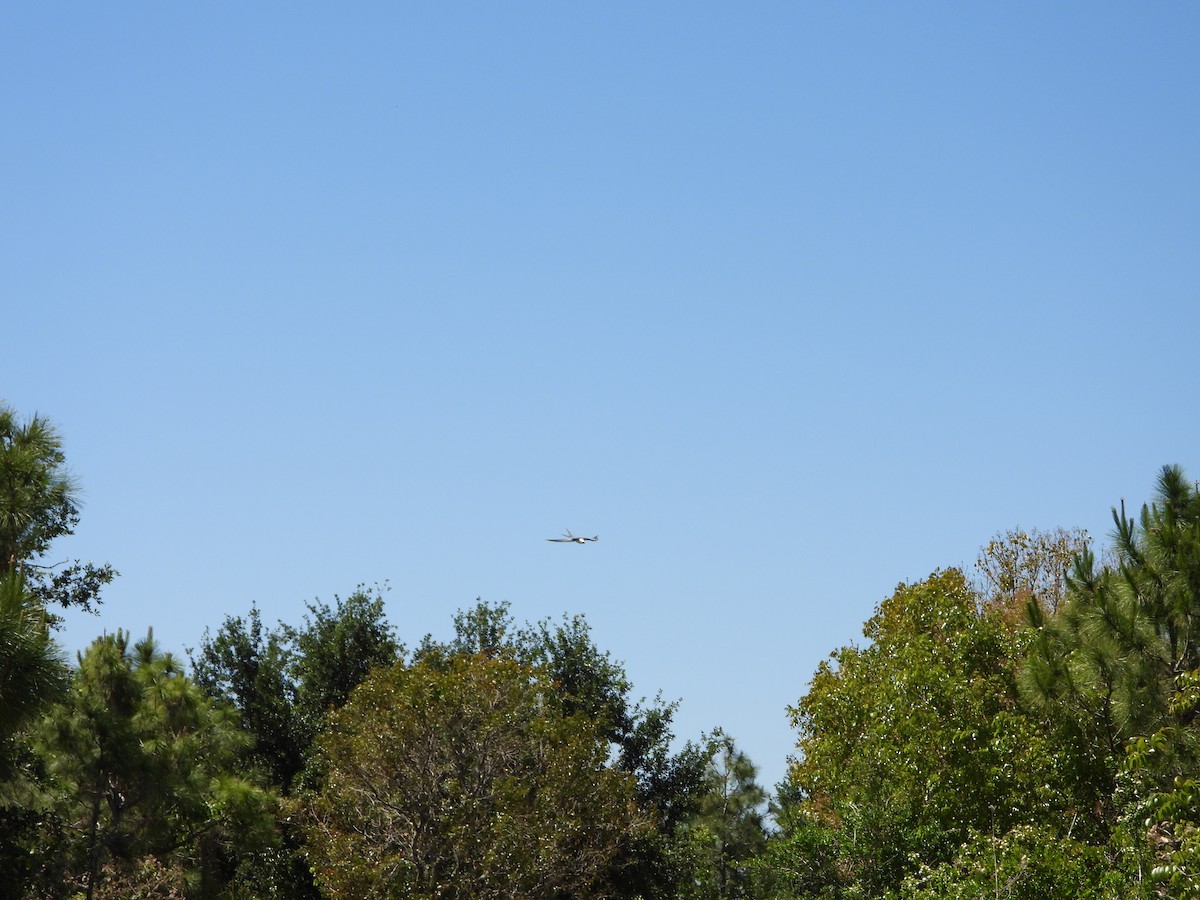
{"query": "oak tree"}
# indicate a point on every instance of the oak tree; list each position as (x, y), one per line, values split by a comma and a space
(461, 780)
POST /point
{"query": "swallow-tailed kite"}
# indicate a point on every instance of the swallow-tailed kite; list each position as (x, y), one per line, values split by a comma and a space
(569, 538)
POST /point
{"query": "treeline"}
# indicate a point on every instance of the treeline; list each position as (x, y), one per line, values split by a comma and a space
(325, 759)
(1026, 729)
(1030, 735)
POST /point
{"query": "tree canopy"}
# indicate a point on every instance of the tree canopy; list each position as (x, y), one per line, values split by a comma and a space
(142, 777)
(460, 780)
(39, 504)
(1029, 731)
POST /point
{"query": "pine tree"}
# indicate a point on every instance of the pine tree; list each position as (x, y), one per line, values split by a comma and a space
(1109, 659)
(32, 669)
(143, 771)
(731, 817)
(38, 504)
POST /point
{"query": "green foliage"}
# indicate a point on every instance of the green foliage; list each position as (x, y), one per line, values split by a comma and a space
(32, 675)
(484, 628)
(31, 837)
(1164, 766)
(1128, 630)
(141, 770)
(728, 831)
(38, 505)
(283, 682)
(1027, 863)
(909, 744)
(32, 670)
(336, 649)
(588, 680)
(458, 779)
(1032, 736)
(805, 857)
(669, 784)
(250, 670)
(1106, 668)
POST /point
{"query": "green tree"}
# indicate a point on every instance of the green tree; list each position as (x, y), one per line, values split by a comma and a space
(33, 674)
(590, 681)
(1163, 767)
(32, 669)
(803, 856)
(336, 648)
(729, 823)
(143, 774)
(454, 778)
(39, 504)
(1027, 863)
(913, 742)
(1105, 667)
(284, 681)
(669, 783)
(1137, 622)
(251, 669)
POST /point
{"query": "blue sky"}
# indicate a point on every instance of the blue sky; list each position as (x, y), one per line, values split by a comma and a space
(789, 302)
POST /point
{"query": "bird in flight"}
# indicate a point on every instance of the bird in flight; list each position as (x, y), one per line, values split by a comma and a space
(569, 538)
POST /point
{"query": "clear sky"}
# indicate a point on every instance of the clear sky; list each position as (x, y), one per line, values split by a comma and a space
(788, 302)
